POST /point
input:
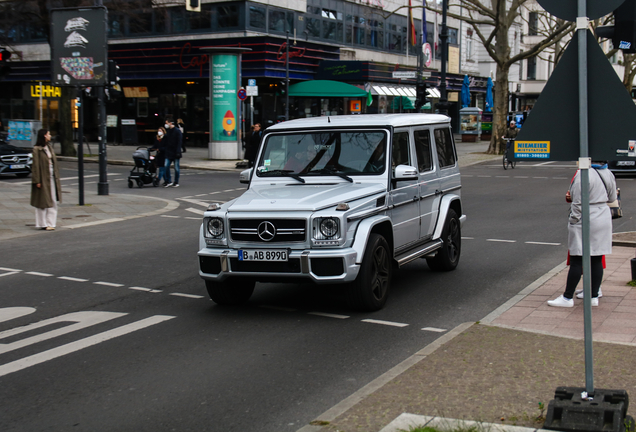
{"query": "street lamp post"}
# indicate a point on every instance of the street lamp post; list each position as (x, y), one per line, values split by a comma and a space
(287, 78)
(442, 105)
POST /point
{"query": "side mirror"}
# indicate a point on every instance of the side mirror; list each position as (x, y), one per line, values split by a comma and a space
(405, 172)
(245, 176)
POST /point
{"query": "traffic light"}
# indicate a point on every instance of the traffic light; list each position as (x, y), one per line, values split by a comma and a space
(282, 88)
(113, 73)
(421, 98)
(623, 32)
(193, 5)
(4, 67)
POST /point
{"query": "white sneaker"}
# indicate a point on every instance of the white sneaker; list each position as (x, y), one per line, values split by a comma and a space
(561, 301)
(175, 185)
(594, 301)
(168, 185)
(579, 293)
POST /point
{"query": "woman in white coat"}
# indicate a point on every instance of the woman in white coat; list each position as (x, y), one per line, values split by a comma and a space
(602, 190)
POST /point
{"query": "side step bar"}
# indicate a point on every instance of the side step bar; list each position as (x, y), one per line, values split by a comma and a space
(413, 254)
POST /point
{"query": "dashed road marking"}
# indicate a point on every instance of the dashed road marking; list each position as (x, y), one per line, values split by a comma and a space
(171, 216)
(39, 274)
(192, 218)
(194, 296)
(329, 315)
(136, 288)
(72, 279)
(501, 241)
(9, 273)
(468, 238)
(543, 243)
(9, 269)
(110, 284)
(388, 323)
(434, 329)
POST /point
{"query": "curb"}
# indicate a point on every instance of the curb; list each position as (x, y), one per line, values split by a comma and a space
(128, 163)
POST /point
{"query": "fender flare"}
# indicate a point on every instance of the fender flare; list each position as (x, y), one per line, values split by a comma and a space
(362, 234)
(444, 205)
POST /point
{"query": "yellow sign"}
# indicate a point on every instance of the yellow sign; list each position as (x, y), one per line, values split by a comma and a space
(355, 106)
(138, 92)
(47, 91)
(532, 149)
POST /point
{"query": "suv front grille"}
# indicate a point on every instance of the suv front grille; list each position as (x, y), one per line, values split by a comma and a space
(14, 159)
(268, 230)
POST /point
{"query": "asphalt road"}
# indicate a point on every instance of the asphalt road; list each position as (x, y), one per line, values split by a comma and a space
(118, 332)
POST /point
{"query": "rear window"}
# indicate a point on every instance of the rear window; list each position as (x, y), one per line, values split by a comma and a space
(444, 145)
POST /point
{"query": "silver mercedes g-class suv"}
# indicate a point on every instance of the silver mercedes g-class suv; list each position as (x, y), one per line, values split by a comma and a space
(338, 200)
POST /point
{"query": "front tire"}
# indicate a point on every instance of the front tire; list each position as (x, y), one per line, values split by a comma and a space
(230, 293)
(447, 257)
(22, 175)
(370, 290)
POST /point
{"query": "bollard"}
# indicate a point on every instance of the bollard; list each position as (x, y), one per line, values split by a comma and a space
(633, 264)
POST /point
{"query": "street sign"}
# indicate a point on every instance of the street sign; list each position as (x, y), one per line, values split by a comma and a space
(251, 82)
(404, 74)
(567, 9)
(242, 94)
(251, 90)
(79, 54)
(554, 120)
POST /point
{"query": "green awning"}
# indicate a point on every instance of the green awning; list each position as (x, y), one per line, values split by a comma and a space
(403, 102)
(325, 88)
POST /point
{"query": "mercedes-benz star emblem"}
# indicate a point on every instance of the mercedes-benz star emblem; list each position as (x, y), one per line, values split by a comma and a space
(15, 159)
(266, 231)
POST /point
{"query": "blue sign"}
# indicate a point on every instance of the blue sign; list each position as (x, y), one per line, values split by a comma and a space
(251, 82)
(242, 94)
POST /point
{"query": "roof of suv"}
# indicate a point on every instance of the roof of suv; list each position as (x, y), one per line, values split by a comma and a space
(376, 120)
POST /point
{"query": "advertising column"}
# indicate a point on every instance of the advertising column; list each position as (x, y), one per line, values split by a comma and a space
(224, 107)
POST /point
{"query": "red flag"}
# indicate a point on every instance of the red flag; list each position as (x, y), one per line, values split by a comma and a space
(412, 33)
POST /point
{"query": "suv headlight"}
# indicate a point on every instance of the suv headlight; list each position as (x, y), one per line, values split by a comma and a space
(215, 227)
(329, 227)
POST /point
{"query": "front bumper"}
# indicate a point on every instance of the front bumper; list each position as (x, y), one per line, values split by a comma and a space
(319, 266)
(6, 169)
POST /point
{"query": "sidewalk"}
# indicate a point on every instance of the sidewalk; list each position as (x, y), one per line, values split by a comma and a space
(498, 371)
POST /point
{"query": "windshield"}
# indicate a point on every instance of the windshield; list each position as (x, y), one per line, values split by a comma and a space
(324, 153)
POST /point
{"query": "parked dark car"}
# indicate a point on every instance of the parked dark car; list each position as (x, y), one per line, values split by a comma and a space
(622, 167)
(15, 160)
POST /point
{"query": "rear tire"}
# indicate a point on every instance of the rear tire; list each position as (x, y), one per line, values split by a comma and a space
(370, 290)
(231, 293)
(447, 257)
(130, 184)
(140, 183)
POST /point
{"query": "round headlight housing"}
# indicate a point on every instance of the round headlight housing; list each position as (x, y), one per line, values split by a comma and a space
(215, 227)
(329, 227)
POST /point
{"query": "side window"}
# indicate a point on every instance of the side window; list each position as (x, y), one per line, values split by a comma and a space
(444, 145)
(400, 152)
(423, 150)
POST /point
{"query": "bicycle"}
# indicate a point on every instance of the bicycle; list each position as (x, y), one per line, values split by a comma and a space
(506, 159)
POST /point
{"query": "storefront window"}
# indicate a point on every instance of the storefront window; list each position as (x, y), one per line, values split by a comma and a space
(257, 17)
(280, 21)
(329, 30)
(228, 16)
(312, 26)
(140, 23)
(200, 20)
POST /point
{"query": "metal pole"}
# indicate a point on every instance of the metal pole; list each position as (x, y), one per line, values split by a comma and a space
(41, 116)
(80, 145)
(287, 77)
(442, 105)
(582, 29)
(102, 185)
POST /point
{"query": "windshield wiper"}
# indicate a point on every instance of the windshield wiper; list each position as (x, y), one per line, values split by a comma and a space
(287, 173)
(332, 171)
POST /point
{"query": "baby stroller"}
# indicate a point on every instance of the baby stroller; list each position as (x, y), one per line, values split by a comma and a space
(145, 171)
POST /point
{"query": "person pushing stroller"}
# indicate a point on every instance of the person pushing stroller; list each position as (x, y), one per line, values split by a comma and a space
(160, 157)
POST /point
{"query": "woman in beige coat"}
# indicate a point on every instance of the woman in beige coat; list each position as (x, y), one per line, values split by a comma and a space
(46, 190)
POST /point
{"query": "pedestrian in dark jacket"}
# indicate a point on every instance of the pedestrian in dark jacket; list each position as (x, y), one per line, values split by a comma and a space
(174, 141)
(160, 157)
(46, 190)
(181, 126)
(253, 143)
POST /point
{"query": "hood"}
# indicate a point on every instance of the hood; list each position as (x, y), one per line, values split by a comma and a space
(8, 149)
(301, 197)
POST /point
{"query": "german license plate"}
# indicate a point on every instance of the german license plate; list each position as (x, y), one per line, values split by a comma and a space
(262, 255)
(625, 163)
(17, 166)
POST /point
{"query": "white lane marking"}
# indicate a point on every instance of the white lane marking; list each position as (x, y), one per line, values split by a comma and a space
(80, 344)
(118, 179)
(72, 279)
(195, 202)
(39, 274)
(502, 241)
(192, 218)
(484, 176)
(540, 177)
(7, 314)
(389, 323)
(468, 238)
(170, 216)
(521, 176)
(543, 243)
(502, 176)
(196, 211)
(110, 284)
(434, 329)
(9, 273)
(140, 288)
(186, 295)
(201, 195)
(230, 190)
(80, 319)
(559, 178)
(278, 308)
(9, 269)
(329, 315)
(155, 291)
